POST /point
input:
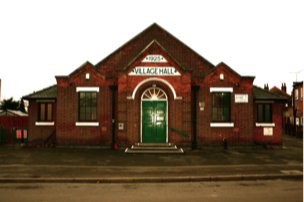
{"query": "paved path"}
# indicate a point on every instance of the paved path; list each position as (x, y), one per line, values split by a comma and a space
(104, 165)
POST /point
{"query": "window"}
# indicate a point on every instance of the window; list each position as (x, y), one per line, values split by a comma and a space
(301, 94)
(296, 94)
(45, 112)
(220, 107)
(87, 106)
(264, 113)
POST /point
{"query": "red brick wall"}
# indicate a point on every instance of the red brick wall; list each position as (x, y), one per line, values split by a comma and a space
(38, 134)
(68, 108)
(276, 138)
(299, 102)
(241, 113)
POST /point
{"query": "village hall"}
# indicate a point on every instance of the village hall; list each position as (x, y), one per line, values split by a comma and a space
(155, 91)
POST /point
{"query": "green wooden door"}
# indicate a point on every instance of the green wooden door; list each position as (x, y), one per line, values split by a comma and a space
(154, 128)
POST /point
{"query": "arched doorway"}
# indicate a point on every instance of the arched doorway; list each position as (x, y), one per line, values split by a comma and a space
(154, 116)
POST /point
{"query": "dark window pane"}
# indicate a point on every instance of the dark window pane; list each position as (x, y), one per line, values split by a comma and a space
(42, 112)
(214, 114)
(226, 99)
(220, 114)
(221, 104)
(87, 106)
(88, 99)
(260, 113)
(82, 99)
(88, 113)
(49, 112)
(226, 114)
(93, 99)
(213, 99)
(82, 116)
(267, 113)
(82, 110)
(93, 113)
(218, 100)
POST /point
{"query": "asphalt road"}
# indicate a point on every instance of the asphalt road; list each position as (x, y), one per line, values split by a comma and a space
(249, 191)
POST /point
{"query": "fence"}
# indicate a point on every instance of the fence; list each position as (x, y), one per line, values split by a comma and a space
(12, 135)
(295, 131)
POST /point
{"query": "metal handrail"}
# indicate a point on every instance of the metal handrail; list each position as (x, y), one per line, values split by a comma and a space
(185, 134)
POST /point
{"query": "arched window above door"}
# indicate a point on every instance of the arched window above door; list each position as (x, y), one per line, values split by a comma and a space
(154, 93)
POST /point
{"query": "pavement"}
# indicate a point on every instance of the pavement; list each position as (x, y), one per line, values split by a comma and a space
(93, 165)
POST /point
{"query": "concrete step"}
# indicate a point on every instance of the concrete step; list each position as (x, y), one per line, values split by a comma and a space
(154, 151)
(154, 147)
(154, 144)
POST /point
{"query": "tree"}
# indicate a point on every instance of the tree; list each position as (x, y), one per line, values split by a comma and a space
(12, 104)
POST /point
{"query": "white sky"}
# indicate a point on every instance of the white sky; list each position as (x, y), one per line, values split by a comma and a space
(41, 39)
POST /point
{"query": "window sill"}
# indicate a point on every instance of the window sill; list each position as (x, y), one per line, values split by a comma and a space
(87, 123)
(222, 125)
(45, 123)
(264, 124)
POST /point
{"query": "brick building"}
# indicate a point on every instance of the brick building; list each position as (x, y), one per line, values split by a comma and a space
(155, 89)
(297, 103)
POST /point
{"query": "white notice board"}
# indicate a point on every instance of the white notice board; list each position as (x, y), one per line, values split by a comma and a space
(241, 98)
(268, 131)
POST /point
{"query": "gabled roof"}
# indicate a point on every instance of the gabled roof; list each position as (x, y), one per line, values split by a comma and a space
(229, 68)
(154, 42)
(121, 57)
(46, 93)
(14, 112)
(280, 93)
(261, 94)
(84, 64)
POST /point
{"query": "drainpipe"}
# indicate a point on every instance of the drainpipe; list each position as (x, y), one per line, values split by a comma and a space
(113, 87)
(194, 143)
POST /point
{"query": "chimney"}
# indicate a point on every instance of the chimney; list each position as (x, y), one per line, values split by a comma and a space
(266, 87)
(283, 88)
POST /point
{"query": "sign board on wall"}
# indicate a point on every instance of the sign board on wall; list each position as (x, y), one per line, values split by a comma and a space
(154, 58)
(268, 131)
(241, 98)
(297, 121)
(156, 71)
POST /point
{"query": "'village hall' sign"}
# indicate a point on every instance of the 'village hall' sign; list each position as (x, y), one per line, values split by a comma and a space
(156, 71)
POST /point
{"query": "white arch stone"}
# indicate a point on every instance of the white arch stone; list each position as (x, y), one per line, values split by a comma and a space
(154, 79)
